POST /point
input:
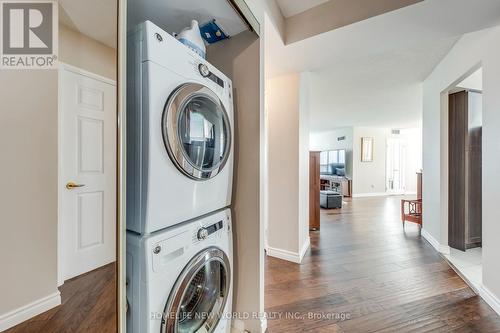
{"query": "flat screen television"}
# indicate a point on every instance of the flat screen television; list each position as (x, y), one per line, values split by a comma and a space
(333, 162)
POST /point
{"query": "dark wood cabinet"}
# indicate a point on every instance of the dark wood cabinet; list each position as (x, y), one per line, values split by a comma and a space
(314, 188)
(465, 170)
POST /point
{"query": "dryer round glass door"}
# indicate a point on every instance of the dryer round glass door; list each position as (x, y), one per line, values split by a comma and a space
(197, 301)
(196, 131)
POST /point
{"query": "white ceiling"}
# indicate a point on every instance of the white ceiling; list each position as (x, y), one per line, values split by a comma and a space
(96, 19)
(370, 73)
(175, 15)
(293, 7)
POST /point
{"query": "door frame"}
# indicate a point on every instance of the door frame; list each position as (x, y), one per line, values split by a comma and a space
(443, 240)
(60, 182)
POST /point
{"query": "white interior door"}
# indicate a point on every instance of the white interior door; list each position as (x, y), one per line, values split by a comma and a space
(87, 175)
(396, 157)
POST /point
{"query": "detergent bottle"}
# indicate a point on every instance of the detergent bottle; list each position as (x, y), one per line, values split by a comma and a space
(191, 37)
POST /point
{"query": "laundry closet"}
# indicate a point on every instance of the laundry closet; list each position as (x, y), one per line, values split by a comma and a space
(192, 150)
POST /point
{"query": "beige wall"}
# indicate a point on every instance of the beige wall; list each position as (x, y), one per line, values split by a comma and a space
(288, 169)
(81, 51)
(28, 183)
(304, 95)
(282, 108)
(239, 58)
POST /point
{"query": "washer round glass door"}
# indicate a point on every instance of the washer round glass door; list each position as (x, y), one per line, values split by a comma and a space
(196, 131)
(197, 301)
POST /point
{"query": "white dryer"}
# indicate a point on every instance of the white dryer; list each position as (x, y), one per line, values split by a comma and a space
(180, 280)
(179, 133)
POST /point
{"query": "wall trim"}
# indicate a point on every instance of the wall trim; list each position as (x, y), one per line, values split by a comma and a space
(431, 240)
(25, 312)
(484, 292)
(304, 249)
(367, 195)
(78, 70)
(263, 324)
(289, 255)
(443, 249)
(238, 326)
(490, 298)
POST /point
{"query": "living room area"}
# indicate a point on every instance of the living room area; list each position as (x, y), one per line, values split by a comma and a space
(359, 162)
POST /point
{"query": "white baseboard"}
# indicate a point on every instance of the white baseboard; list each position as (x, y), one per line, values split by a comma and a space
(443, 249)
(289, 255)
(304, 248)
(490, 298)
(238, 326)
(28, 311)
(484, 292)
(263, 325)
(367, 195)
(433, 241)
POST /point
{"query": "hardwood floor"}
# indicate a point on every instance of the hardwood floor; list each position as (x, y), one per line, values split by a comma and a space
(88, 305)
(363, 273)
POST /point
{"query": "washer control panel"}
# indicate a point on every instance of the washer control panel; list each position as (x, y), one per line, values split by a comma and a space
(208, 74)
(204, 232)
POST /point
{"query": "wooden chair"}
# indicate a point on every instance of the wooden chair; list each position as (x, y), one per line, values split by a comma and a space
(411, 210)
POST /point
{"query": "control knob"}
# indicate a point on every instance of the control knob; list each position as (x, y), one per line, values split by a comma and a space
(202, 234)
(204, 71)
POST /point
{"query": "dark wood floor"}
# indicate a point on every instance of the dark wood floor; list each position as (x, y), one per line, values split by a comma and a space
(88, 305)
(364, 267)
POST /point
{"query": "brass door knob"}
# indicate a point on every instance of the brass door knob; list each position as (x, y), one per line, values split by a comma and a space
(72, 185)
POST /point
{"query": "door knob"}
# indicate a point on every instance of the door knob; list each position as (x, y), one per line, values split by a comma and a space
(72, 185)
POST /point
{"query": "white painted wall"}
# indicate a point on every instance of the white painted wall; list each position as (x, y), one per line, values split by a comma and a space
(321, 141)
(412, 138)
(471, 51)
(369, 177)
(288, 170)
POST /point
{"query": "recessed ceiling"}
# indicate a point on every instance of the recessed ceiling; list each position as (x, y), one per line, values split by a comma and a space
(382, 91)
(427, 21)
(473, 81)
(293, 7)
(96, 19)
(175, 15)
(370, 73)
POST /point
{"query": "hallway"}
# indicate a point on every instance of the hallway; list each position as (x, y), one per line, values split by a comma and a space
(364, 273)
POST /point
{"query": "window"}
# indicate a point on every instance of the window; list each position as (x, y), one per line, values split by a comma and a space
(330, 157)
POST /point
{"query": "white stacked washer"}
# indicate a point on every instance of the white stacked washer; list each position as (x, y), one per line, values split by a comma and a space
(179, 133)
(179, 177)
(180, 280)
